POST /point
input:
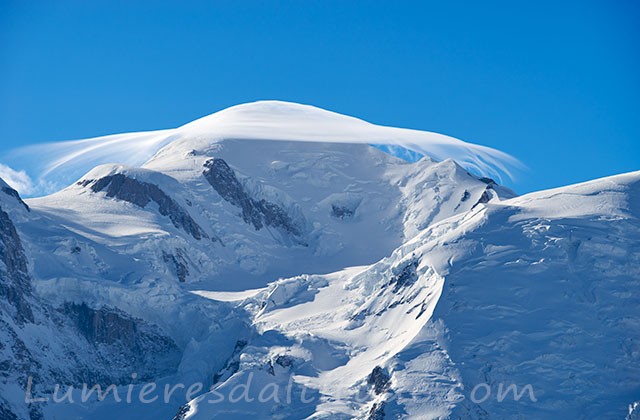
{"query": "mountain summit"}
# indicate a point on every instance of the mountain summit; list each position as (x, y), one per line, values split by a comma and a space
(266, 261)
(60, 164)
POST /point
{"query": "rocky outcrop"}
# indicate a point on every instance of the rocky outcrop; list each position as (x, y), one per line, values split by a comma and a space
(379, 379)
(377, 411)
(256, 212)
(178, 264)
(341, 212)
(141, 193)
(487, 195)
(5, 412)
(13, 193)
(99, 346)
(16, 311)
(405, 276)
(182, 412)
(127, 342)
(14, 278)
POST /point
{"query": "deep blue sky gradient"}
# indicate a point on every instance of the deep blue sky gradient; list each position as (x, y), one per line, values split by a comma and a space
(556, 84)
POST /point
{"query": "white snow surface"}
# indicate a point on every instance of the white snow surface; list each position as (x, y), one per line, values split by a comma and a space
(352, 284)
(512, 294)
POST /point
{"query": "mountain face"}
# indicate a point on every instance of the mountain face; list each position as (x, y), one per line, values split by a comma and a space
(261, 276)
(73, 343)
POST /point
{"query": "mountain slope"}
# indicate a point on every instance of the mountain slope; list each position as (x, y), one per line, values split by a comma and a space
(536, 293)
(42, 344)
(266, 248)
(123, 248)
(264, 209)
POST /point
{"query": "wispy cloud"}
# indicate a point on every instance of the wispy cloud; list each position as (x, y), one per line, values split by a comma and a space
(45, 168)
(25, 184)
(18, 180)
(49, 167)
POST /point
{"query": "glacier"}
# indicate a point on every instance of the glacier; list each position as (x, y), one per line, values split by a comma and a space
(268, 262)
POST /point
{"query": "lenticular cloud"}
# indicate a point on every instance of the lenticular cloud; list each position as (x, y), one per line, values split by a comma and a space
(52, 166)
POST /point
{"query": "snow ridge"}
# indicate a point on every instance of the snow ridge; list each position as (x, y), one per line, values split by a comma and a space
(345, 282)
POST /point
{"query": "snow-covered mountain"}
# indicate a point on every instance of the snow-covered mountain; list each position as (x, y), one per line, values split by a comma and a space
(269, 251)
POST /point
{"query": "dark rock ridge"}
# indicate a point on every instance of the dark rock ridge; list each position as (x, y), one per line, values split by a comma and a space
(16, 310)
(15, 285)
(259, 213)
(341, 212)
(179, 264)
(379, 379)
(405, 275)
(128, 341)
(182, 412)
(141, 193)
(6, 414)
(100, 346)
(13, 193)
(232, 365)
(485, 197)
(377, 411)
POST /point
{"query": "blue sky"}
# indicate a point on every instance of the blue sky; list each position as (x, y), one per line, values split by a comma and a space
(556, 84)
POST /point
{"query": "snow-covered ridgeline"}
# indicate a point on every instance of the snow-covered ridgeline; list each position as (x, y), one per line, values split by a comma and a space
(375, 287)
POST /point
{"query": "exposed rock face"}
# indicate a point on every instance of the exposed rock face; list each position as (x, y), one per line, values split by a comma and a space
(102, 325)
(486, 196)
(259, 213)
(13, 193)
(16, 363)
(142, 193)
(377, 412)
(406, 276)
(379, 379)
(125, 340)
(178, 263)
(16, 310)
(341, 212)
(182, 412)
(100, 346)
(232, 365)
(14, 278)
(5, 413)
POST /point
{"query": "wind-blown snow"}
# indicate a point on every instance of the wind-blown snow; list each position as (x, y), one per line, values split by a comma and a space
(53, 166)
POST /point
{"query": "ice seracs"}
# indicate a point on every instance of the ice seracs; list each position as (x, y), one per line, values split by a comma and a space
(258, 247)
(511, 307)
